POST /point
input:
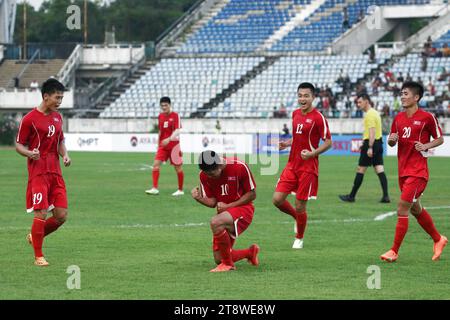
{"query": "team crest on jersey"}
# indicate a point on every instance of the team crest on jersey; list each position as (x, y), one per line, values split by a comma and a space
(308, 121)
(231, 178)
(417, 123)
(56, 119)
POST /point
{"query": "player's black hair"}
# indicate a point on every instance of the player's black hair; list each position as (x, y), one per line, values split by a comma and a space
(364, 96)
(51, 86)
(307, 85)
(415, 87)
(208, 160)
(164, 100)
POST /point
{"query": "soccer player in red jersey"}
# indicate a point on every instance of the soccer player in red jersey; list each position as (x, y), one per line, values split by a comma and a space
(168, 146)
(227, 185)
(41, 139)
(301, 174)
(412, 129)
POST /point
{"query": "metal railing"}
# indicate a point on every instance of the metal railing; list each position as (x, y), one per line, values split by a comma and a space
(15, 82)
(64, 75)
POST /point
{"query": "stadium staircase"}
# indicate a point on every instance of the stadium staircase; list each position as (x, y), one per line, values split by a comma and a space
(238, 84)
(124, 85)
(39, 70)
(190, 27)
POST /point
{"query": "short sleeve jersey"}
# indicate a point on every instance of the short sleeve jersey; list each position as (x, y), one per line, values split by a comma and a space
(372, 119)
(421, 126)
(235, 181)
(168, 123)
(42, 132)
(307, 131)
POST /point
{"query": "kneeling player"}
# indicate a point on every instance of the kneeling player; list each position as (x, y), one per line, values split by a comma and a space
(227, 185)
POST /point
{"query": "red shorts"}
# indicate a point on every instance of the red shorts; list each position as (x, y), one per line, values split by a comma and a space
(242, 217)
(46, 192)
(411, 188)
(304, 184)
(174, 154)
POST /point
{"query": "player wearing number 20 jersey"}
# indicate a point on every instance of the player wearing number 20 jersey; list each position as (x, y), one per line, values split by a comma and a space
(412, 130)
(301, 174)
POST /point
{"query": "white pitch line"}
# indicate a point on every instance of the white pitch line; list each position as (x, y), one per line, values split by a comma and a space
(383, 216)
(201, 224)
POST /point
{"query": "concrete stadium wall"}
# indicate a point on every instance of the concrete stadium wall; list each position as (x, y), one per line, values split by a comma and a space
(28, 99)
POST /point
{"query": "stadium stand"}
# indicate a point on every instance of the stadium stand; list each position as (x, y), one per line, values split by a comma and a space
(277, 85)
(190, 83)
(242, 26)
(39, 70)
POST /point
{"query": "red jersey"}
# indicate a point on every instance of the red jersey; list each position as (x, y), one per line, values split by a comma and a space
(419, 127)
(235, 181)
(168, 123)
(42, 132)
(307, 130)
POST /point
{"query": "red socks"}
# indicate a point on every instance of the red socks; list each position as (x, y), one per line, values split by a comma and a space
(286, 207)
(155, 174)
(426, 222)
(180, 180)
(224, 243)
(37, 233)
(301, 224)
(400, 232)
(237, 255)
(51, 224)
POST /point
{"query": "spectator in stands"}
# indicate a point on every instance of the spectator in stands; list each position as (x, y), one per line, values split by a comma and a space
(400, 78)
(396, 105)
(445, 50)
(424, 64)
(419, 80)
(428, 44)
(283, 111)
(285, 131)
(360, 16)
(34, 85)
(408, 77)
(345, 21)
(218, 127)
(430, 87)
(444, 74)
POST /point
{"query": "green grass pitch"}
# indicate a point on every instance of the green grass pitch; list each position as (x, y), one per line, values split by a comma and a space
(129, 245)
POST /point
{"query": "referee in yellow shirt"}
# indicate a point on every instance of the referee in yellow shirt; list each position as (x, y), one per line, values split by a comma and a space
(371, 150)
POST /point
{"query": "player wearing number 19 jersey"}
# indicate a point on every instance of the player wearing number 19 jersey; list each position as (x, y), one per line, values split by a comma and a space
(40, 138)
(412, 130)
(301, 174)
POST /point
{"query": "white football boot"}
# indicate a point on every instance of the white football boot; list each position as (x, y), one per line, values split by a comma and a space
(298, 244)
(178, 193)
(153, 191)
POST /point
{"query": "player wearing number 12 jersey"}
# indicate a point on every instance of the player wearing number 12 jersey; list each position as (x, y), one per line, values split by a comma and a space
(41, 139)
(227, 185)
(412, 130)
(301, 174)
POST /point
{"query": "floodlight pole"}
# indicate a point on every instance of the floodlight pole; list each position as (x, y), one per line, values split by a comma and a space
(85, 22)
(24, 30)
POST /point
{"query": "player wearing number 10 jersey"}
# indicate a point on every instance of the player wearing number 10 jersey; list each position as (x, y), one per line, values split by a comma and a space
(301, 174)
(227, 185)
(412, 130)
(40, 138)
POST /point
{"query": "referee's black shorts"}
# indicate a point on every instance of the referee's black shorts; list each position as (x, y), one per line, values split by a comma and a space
(377, 159)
